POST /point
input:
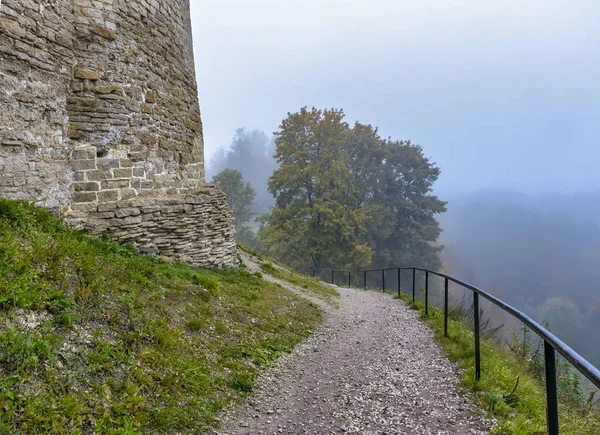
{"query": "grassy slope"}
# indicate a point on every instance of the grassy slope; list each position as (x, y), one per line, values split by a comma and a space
(314, 286)
(97, 338)
(519, 412)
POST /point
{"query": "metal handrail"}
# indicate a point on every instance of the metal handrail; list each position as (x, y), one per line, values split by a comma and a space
(551, 342)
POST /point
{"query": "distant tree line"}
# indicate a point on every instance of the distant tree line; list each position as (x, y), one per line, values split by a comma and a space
(240, 198)
(322, 193)
(250, 153)
(343, 196)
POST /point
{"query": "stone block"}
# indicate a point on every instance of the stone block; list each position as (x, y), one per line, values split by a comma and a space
(86, 186)
(109, 89)
(106, 163)
(128, 194)
(82, 197)
(123, 173)
(81, 102)
(11, 142)
(84, 154)
(106, 215)
(152, 217)
(88, 74)
(99, 175)
(151, 97)
(76, 86)
(126, 163)
(193, 200)
(139, 202)
(19, 181)
(107, 207)
(132, 220)
(150, 209)
(116, 184)
(167, 201)
(126, 212)
(83, 165)
(173, 209)
(137, 157)
(108, 196)
(104, 32)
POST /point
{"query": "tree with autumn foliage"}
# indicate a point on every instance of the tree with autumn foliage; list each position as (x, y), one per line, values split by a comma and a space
(347, 198)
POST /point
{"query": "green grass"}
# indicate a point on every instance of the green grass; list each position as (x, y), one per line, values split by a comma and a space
(96, 338)
(520, 411)
(312, 285)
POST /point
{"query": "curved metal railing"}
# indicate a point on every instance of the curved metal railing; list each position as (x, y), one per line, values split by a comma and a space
(552, 343)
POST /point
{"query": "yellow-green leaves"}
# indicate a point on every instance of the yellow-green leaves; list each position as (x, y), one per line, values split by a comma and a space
(346, 198)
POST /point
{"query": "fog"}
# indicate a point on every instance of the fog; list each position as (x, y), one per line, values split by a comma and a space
(500, 93)
(251, 153)
(540, 254)
(503, 95)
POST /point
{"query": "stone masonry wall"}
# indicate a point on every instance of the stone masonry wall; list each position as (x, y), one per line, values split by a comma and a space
(98, 105)
(117, 74)
(195, 229)
(113, 195)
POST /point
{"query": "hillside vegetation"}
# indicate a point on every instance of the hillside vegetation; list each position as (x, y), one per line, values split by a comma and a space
(512, 387)
(96, 338)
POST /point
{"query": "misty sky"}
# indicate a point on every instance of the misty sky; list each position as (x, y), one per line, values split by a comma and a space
(501, 93)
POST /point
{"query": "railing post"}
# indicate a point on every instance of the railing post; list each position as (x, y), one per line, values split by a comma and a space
(313, 273)
(332, 271)
(383, 279)
(399, 277)
(426, 293)
(551, 394)
(414, 274)
(446, 307)
(365, 278)
(349, 278)
(477, 349)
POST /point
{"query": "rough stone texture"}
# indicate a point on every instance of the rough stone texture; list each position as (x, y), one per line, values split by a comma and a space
(194, 228)
(98, 104)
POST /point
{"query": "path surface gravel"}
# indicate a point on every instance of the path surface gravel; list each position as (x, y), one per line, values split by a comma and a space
(372, 368)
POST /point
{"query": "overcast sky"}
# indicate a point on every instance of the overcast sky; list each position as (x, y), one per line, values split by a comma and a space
(501, 93)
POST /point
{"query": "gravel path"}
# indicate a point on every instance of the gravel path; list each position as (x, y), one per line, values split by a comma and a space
(372, 368)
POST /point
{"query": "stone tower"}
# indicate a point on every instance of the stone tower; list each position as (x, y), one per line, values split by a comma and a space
(99, 120)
